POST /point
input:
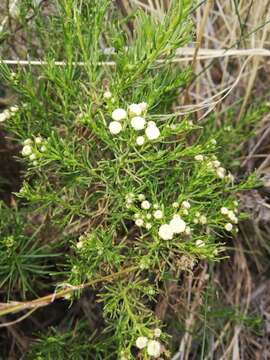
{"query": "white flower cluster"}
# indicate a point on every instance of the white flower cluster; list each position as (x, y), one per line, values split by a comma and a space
(33, 149)
(215, 165)
(153, 347)
(231, 216)
(200, 219)
(166, 231)
(6, 114)
(136, 114)
(141, 219)
(176, 226)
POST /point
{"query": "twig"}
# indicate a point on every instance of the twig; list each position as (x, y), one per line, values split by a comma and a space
(182, 54)
(48, 299)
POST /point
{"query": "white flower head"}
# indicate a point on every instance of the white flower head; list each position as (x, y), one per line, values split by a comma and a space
(107, 95)
(214, 141)
(224, 210)
(115, 127)
(138, 123)
(175, 205)
(152, 132)
(119, 114)
(38, 140)
(141, 342)
(177, 225)
(27, 150)
(43, 148)
(157, 332)
(79, 245)
(139, 222)
(151, 123)
(199, 157)
(158, 214)
(186, 204)
(35, 163)
(232, 217)
(203, 219)
(165, 232)
(144, 106)
(221, 172)
(228, 227)
(154, 348)
(27, 142)
(135, 110)
(33, 157)
(230, 177)
(200, 243)
(141, 197)
(4, 116)
(145, 205)
(148, 226)
(140, 140)
(216, 163)
(188, 230)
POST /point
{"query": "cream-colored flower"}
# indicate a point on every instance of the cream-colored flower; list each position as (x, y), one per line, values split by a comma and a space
(186, 204)
(151, 123)
(177, 225)
(152, 132)
(203, 219)
(141, 342)
(107, 95)
(199, 157)
(200, 243)
(115, 127)
(139, 222)
(157, 332)
(135, 110)
(138, 123)
(224, 210)
(148, 226)
(38, 140)
(140, 140)
(188, 230)
(27, 142)
(153, 348)
(119, 114)
(228, 227)
(221, 172)
(145, 205)
(216, 163)
(43, 148)
(33, 157)
(141, 197)
(27, 150)
(158, 214)
(143, 105)
(165, 232)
